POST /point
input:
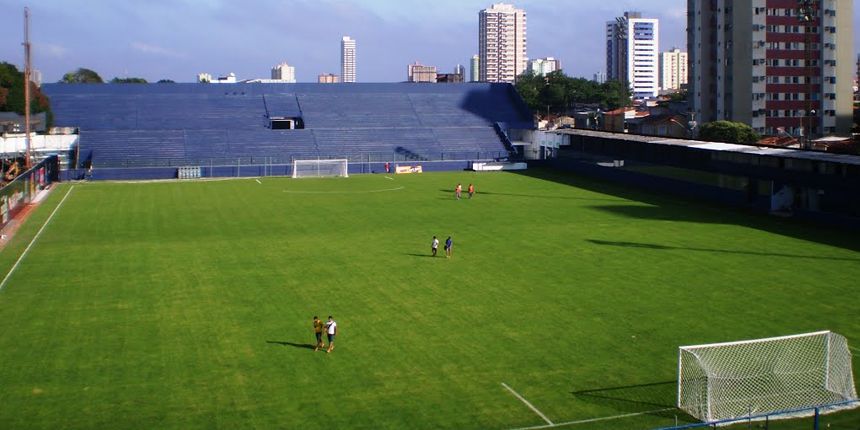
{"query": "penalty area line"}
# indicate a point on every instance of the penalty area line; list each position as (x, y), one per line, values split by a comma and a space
(531, 406)
(36, 237)
(592, 420)
(258, 181)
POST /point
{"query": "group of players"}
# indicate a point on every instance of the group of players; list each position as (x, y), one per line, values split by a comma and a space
(459, 190)
(330, 327)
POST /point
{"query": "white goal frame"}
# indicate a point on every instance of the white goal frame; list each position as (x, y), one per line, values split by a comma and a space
(321, 168)
(788, 375)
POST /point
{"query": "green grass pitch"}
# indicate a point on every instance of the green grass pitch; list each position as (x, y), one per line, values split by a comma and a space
(188, 305)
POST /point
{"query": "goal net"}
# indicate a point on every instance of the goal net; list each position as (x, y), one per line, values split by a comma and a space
(729, 380)
(319, 168)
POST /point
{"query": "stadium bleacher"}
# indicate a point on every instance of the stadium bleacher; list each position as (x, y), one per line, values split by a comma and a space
(190, 124)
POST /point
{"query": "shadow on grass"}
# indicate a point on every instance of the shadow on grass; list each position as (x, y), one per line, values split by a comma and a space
(424, 255)
(655, 398)
(720, 251)
(294, 345)
(667, 207)
(533, 196)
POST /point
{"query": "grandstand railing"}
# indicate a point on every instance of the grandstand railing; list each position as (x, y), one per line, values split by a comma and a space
(22, 190)
(807, 418)
(391, 157)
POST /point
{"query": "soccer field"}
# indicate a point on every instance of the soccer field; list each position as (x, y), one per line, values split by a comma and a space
(184, 305)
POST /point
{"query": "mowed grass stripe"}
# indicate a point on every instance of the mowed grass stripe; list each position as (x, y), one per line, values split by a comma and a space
(188, 304)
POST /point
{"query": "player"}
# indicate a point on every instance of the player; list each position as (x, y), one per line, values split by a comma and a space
(434, 246)
(448, 245)
(458, 191)
(318, 329)
(471, 190)
(331, 325)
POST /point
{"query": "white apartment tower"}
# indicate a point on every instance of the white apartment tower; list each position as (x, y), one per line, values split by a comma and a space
(284, 72)
(347, 59)
(632, 53)
(544, 66)
(501, 43)
(475, 68)
(673, 65)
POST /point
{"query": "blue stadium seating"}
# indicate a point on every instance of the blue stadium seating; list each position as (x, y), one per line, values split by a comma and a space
(178, 124)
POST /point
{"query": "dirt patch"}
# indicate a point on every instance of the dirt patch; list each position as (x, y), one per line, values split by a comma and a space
(20, 217)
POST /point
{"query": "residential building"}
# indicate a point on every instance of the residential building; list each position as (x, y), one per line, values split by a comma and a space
(328, 78)
(206, 78)
(544, 66)
(501, 43)
(421, 73)
(781, 66)
(347, 59)
(599, 77)
(673, 66)
(632, 53)
(284, 72)
(475, 69)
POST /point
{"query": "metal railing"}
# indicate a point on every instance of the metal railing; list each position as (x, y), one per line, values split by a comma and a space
(766, 421)
(22, 190)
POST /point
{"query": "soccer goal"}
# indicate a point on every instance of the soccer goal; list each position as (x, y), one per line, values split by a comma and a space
(320, 168)
(723, 381)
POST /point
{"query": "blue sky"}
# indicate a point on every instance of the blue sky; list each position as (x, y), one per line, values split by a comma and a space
(176, 39)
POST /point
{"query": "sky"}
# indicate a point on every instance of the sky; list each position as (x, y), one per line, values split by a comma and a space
(177, 39)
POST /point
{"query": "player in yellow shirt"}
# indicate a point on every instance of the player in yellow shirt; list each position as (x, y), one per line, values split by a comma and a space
(318, 330)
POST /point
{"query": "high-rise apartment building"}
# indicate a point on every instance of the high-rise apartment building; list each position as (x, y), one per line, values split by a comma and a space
(421, 73)
(347, 59)
(544, 66)
(475, 69)
(673, 66)
(284, 72)
(501, 43)
(777, 65)
(632, 53)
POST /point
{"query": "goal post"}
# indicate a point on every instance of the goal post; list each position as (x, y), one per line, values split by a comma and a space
(320, 168)
(724, 381)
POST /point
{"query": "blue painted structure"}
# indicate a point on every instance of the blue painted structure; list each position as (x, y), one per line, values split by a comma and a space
(227, 125)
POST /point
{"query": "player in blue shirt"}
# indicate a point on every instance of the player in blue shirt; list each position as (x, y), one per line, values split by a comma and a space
(448, 245)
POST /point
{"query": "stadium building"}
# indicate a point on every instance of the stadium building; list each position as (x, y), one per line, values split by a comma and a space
(150, 131)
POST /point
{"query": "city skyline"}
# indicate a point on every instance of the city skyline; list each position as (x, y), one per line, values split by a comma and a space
(178, 39)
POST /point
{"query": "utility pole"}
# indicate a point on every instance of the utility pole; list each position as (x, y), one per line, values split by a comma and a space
(27, 74)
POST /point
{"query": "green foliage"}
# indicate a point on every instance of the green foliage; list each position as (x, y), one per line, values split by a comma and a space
(128, 81)
(728, 131)
(186, 305)
(557, 92)
(12, 94)
(166, 81)
(82, 76)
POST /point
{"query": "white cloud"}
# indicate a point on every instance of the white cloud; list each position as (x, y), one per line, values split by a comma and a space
(147, 48)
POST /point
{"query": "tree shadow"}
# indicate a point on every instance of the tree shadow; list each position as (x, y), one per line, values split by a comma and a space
(721, 251)
(294, 345)
(659, 206)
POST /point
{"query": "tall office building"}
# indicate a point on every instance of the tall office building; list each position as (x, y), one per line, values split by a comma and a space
(475, 69)
(673, 66)
(632, 53)
(347, 60)
(284, 72)
(777, 65)
(501, 43)
(544, 66)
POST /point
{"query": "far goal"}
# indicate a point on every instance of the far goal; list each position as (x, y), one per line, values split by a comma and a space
(320, 168)
(750, 378)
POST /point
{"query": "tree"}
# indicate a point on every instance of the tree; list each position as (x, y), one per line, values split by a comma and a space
(12, 94)
(557, 92)
(128, 81)
(166, 81)
(82, 76)
(728, 131)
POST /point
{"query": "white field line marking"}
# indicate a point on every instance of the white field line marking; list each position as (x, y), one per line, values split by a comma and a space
(389, 178)
(258, 181)
(344, 192)
(591, 420)
(531, 406)
(39, 233)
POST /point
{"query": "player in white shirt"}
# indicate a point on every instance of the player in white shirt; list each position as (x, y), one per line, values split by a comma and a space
(435, 245)
(331, 325)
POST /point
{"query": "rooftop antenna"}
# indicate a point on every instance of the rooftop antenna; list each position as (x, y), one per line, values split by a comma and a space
(27, 74)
